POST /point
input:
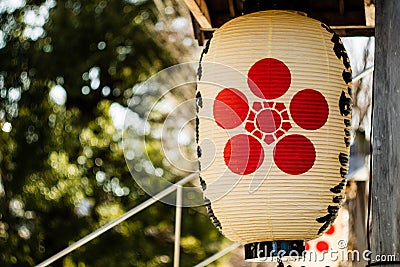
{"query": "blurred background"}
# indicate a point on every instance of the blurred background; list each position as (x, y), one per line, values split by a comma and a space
(69, 70)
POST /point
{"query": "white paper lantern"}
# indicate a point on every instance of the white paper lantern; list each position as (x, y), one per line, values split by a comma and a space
(274, 110)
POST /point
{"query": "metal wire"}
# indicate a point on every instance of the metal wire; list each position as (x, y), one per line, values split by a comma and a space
(218, 255)
(363, 74)
(178, 221)
(117, 221)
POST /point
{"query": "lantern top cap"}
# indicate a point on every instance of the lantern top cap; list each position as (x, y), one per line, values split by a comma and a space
(261, 251)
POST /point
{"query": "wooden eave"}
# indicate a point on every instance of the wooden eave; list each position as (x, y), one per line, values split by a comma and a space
(346, 17)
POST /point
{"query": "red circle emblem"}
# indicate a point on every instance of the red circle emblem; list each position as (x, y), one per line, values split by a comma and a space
(303, 115)
(243, 154)
(294, 154)
(269, 78)
(268, 121)
(230, 108)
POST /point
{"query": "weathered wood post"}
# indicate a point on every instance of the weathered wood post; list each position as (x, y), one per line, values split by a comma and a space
(386, 135)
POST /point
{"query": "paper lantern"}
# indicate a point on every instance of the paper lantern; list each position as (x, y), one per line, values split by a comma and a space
(273, 129)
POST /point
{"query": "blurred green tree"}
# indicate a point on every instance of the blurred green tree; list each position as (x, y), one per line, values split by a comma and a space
(62, 168)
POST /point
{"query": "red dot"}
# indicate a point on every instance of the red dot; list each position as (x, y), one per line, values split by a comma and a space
(322, 246)
(257, 106)
(279, 133)
(309, 109)
(258, 134)
(286, 126)
(285, 115)
(251, 116)
(331, 230)
(269, 139)
(243, 154)
(230, 108)
(249, 127)
(269, 78)
(307, 246)
(268, 120)
(294, 154)
(280, 106)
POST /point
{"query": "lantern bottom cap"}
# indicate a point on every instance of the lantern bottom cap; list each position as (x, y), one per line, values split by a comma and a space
(268, 250)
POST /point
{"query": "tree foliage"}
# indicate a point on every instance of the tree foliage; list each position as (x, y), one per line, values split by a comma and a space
(62, 167)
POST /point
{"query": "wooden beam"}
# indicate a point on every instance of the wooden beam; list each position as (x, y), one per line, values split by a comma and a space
(334, 18)
(386, 134)
(341, 7)
(342, 31)
(231, 8)
(346, 31)
(198, 14)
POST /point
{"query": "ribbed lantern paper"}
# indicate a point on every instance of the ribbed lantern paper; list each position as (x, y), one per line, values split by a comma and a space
(274, 112)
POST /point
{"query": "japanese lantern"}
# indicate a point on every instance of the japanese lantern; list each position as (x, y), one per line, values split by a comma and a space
(273, 130)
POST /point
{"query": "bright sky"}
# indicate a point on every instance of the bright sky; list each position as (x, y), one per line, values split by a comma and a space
(10, 6)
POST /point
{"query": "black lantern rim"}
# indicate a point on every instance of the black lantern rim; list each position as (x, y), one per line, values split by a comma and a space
(263, 251)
